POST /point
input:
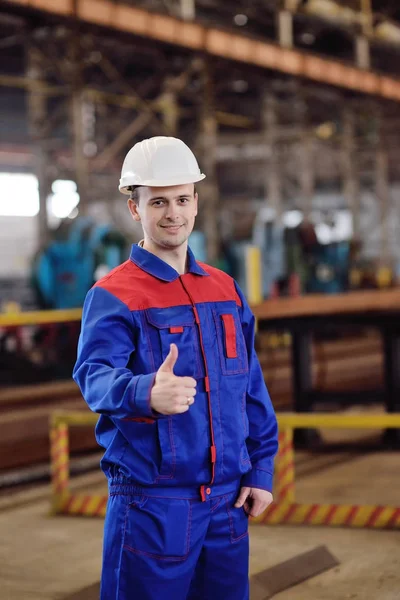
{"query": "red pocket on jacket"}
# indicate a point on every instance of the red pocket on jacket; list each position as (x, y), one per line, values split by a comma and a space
(230, 335)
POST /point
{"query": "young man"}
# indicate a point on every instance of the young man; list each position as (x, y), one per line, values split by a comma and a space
(166, 357)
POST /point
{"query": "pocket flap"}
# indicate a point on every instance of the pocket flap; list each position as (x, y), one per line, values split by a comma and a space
(172, 317)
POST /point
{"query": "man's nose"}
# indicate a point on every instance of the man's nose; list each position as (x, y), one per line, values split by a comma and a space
(172, 212)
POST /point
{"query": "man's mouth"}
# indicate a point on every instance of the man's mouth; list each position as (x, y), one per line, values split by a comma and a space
(171, 227)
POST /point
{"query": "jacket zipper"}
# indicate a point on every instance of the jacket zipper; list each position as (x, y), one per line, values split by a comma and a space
(213, 450)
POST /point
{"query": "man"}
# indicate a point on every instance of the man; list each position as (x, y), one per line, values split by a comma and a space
(166, 356)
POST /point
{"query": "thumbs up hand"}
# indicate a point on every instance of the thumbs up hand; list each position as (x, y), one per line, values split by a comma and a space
(172, 395)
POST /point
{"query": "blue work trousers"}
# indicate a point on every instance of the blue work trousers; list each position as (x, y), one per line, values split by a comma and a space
(161, 548)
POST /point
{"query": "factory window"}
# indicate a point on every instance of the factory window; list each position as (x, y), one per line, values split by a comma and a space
(19, 195)
(64, 199)
(336, 228)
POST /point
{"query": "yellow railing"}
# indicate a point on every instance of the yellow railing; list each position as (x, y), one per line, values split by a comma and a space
(63, 501)
(285, 510)
(39, 317)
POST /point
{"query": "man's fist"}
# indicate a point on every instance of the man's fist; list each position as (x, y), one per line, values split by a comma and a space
(253, 500)
(172, 395)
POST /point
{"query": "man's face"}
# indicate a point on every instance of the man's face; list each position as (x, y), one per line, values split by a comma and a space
(167, 214)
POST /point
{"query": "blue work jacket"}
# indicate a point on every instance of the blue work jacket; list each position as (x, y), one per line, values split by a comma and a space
(130, 318)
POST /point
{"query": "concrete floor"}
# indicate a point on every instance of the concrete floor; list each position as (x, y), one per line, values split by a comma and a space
(46, 558)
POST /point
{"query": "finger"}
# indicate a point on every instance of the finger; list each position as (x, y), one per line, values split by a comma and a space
(179, 409)
(188, 382)
(185, 400)
(244, 492)
(185, 392)
(257, 508)
(169, 362)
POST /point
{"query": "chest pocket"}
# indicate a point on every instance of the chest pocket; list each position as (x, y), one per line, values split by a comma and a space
(175, 325)
(231, 344)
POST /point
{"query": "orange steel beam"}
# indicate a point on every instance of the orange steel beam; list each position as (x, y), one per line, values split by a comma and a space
(220, 43)
(360, 302)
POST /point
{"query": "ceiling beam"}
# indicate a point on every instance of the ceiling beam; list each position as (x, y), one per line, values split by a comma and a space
(219, 43)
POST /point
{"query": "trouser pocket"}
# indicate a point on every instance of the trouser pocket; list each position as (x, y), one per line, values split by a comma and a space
(159, 528)
(238, 521)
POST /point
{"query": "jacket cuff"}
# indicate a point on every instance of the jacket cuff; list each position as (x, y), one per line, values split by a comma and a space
(258, 478)
(143, 389)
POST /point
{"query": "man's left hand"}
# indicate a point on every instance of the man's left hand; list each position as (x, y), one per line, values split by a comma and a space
(253, 500)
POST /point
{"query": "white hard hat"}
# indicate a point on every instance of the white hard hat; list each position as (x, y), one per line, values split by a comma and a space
(159, 162)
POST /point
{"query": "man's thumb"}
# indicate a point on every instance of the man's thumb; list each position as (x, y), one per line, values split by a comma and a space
(169, 362)
(244, 492)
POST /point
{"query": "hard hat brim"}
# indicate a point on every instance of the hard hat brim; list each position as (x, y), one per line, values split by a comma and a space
(129, 181)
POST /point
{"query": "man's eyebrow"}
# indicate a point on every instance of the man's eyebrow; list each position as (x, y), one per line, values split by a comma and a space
(165, 198)
(157, 198)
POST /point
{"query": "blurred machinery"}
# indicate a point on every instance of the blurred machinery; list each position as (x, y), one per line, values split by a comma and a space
(289, 253)
(329, 268)
(79, 253)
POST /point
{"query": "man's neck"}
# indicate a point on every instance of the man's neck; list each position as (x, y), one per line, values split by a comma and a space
(175, 258)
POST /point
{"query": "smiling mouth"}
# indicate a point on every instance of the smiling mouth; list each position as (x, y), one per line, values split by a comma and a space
(171, 226)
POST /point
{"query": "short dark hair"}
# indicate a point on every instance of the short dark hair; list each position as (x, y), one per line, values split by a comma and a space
(134, 193)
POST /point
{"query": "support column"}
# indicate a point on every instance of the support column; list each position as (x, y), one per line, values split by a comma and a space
(77, 122)
(285, 28)
(307, 177)
(188, 10)
(362, 48)
(351, 183)
(80, 160)
(383, 198)
(273, 179)
(168, 104)
(37, 115)
(383, 194)
(367, 23)
(307, 172)
(208, 162)
(362, 52)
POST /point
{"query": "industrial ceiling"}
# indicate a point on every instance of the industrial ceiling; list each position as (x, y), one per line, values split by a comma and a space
(247, 83)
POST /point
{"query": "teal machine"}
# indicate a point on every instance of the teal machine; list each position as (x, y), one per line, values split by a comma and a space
(65, 269)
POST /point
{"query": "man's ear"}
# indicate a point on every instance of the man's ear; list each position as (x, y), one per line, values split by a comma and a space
(133, 209)
(196, 199)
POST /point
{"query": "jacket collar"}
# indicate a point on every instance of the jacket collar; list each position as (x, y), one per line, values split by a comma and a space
(158, 268)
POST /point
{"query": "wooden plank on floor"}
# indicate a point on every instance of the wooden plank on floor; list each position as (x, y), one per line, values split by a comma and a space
(88, 593)
(266, 584)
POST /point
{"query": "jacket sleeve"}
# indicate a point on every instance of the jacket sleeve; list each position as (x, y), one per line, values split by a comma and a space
(262, 443)
(104, 349)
